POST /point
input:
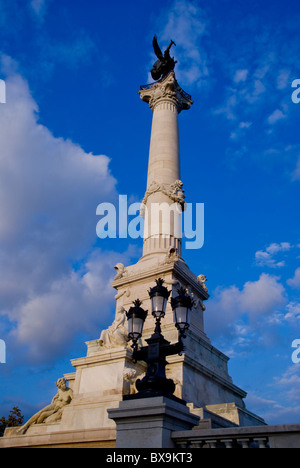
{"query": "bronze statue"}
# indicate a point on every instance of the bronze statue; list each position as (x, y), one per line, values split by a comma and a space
(165, 63)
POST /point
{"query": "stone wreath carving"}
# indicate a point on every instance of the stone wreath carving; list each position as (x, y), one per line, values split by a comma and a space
(174, 191)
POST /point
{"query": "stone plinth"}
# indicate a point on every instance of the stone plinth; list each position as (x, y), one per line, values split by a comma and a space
(149, 422)
(42, 437)
(201, 373)
(98, 385)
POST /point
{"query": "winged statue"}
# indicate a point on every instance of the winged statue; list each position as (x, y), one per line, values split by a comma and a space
(165, 63)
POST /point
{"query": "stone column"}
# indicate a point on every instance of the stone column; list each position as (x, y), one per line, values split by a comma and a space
(166, 100)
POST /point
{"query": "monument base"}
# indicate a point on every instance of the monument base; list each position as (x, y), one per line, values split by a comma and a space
(41, 436)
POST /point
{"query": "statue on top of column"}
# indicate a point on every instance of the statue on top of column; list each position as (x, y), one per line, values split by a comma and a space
(165, 63)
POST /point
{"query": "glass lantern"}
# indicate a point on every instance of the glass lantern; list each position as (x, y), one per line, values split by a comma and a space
(136, 317)
(182, 306)
(159, 296)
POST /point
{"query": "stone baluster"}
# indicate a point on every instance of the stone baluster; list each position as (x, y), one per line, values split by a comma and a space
(244, 442)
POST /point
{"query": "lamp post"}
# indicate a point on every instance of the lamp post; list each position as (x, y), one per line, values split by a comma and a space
(155, 382)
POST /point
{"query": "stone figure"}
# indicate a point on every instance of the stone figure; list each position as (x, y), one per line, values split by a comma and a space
(53, 412)
(165, 63)
(171, 256)
(202, 280)
(130, 376)
(120, 268)
(117, 334)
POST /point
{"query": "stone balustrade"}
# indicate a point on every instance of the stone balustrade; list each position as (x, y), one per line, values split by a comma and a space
(281, 436)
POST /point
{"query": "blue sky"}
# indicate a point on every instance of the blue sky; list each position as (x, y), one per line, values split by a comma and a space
(74, 133)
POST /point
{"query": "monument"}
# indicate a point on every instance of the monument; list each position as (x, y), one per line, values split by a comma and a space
(78, 415)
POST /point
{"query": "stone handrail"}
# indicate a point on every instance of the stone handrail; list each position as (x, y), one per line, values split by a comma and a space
(281, 436)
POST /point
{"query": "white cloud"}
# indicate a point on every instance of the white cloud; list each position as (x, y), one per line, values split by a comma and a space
(240, 75)
(276, 116)
(266, 258)
(290, 376)
(283, 79)
(240, 131)
(186, 23)
(245, 124)
(39, 8)
(255, 300)
(293, 312)
(272, 410)
(49, 191)
(76, 302)
(274, 248)
(229, 107)
(295, 282)
(262, 296)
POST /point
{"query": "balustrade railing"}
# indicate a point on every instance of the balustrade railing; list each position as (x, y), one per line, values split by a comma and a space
(285, 436)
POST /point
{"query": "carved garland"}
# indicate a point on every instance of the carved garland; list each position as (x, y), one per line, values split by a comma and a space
(174, 191)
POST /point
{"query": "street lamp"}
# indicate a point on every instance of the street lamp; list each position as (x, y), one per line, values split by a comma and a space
(182, 306)
(155, 382)
(159, 296)
(136, 317)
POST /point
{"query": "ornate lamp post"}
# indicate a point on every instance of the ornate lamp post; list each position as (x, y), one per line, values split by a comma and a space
(155, 382)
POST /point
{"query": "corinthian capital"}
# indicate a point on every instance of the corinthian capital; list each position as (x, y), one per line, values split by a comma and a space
(164, 90)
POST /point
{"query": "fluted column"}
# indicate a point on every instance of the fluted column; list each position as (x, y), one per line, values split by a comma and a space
(166, 100)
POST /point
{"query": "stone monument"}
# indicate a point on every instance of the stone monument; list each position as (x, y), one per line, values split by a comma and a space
(107, 372)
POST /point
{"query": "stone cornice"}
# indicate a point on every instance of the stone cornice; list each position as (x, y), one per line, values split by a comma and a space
(182, 272)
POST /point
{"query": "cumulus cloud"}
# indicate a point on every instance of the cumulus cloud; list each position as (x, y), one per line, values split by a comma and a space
(232, 309)
(76, 302)
(49, 190)
(268, 258)
(240, 75)
(295, 281)
(276, 116)
(293, 313)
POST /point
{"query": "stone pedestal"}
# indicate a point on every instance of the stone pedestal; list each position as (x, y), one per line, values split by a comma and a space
(98, 384)
(201, 373)
(149, 422)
